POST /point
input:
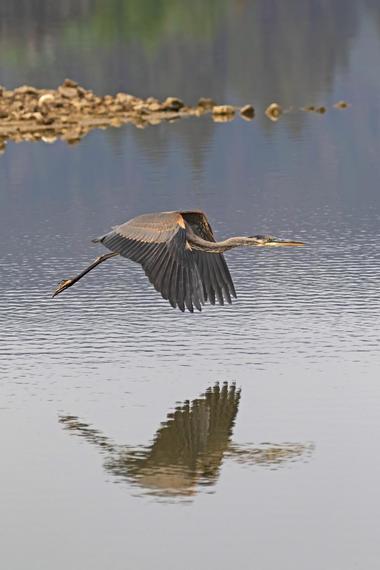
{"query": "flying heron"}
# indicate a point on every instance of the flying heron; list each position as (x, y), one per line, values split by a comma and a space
(179, 255)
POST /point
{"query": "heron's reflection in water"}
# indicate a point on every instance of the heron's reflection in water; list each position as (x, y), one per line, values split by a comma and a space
(189, 447)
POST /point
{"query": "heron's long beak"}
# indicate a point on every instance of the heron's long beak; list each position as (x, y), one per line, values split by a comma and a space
(274, 242)
(266, 241)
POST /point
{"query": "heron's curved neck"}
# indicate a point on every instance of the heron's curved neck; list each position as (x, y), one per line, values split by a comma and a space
(220, 246)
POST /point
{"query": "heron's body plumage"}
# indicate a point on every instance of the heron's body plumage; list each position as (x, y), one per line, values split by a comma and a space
(162, 244)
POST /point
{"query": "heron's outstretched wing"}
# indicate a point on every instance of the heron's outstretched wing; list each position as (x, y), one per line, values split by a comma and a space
(158, 242)
(213, 269)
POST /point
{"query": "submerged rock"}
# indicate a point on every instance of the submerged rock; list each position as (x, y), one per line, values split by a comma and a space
(223, 118)
(247, 112)
(223, 110)
(206, 103)
(172, 104)
(273, 112)
(342, 105)
(49, 138)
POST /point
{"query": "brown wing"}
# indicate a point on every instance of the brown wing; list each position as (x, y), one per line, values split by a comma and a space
(213, 269)
(158, 243)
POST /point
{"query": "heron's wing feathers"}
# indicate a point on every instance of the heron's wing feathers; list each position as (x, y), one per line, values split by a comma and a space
(213, 269)
(199, 224)
(158, 243)
(215, 276)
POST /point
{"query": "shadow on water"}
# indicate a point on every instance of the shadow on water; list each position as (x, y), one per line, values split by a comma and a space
(189, 447)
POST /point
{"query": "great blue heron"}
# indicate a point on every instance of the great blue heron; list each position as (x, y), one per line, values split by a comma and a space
(179, 255)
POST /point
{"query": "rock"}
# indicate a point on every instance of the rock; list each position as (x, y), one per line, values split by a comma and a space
(49, 138)
(155, 107)
(78, 104)
(154, 120)
(312, 109)
(172, 104)
(116, 122)
(17, 106)
(69, 83)
(152, 100)
(67, 92)
(223, 110)
(342, 105)
(125, 98)
(223, 118)
(89, 96)
(141, 108)
(26, 90)
(273, 112)
(81, 91)
(72, 136)
(115, 108)
(46, 120)
(46, 99)
(38, 117)
(101, 110)
(247, 112)
(29, 137)
(206, 103)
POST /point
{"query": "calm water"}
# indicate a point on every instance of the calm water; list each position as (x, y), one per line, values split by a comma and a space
(135, 436)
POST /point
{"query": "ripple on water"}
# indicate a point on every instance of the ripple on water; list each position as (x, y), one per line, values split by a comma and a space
(317, 302)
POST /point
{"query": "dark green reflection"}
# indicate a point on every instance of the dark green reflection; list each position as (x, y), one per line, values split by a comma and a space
(254, 50)
(189, 447)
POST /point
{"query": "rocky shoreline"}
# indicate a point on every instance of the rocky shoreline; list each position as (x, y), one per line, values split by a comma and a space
(69, 112)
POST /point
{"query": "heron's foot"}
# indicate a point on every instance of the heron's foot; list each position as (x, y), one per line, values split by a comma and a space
(64, 284)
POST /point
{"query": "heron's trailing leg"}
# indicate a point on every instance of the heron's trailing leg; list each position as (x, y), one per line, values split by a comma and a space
(66, 283)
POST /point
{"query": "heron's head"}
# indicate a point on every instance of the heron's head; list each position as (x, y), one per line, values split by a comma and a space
(62, 285)
(272, 241)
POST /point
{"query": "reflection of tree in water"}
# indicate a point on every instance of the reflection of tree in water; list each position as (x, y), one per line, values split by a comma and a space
(259, 50)
(373, 8)
(291, 49)
(189, 447)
